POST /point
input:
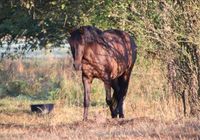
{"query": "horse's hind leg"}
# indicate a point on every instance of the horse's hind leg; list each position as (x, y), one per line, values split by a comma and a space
(123, 83)
(114, 101)
(111, 101)
(108, 93)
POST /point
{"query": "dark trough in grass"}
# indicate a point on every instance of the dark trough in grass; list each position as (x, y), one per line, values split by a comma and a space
(42, 108)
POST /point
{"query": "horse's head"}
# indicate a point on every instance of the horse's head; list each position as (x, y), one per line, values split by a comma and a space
(77, 52)
(77, 47)
(79, 39)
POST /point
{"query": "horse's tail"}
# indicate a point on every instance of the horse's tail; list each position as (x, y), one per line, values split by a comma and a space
(113, 106)
(134, 49)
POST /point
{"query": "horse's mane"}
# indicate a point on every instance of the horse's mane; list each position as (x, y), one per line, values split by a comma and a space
(91, 34)
(87, 35)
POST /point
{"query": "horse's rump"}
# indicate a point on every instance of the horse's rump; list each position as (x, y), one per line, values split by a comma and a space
(120, 45)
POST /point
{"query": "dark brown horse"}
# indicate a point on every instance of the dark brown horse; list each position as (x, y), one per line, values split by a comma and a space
(107, 55)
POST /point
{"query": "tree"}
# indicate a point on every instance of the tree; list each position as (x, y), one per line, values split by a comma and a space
(36, 23)
(177, 36)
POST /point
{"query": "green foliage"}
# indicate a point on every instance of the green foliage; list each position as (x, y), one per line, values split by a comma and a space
(53, 94)
(3, 91)
(49, 22)
(17, 87)
(45, 80)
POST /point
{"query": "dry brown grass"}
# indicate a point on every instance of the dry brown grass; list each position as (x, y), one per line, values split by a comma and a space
(66, 123)
(150, 112)
(142, 122)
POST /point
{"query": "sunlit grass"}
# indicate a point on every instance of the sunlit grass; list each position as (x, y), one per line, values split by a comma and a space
(144, 121)
(150, 112)
(54, 80)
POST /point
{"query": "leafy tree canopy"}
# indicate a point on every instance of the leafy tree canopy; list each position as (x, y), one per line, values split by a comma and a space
(157, 25)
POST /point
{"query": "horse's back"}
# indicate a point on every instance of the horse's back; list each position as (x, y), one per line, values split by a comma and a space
(109, 56)
(123, 42)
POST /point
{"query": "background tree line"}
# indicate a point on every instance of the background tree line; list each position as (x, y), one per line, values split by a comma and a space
(168, 30)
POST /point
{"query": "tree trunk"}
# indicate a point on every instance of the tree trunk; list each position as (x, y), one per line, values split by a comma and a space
(192, 79)
(194, 99)
(184, 78)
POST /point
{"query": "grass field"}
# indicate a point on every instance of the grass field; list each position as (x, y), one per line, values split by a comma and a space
(151, 113)
(18, 122)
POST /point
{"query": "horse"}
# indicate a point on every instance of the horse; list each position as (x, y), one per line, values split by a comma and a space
(108, 55)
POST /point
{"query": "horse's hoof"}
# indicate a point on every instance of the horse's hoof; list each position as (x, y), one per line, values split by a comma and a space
(85, 119)
(114, 115)
(109, 102)
(121, 115)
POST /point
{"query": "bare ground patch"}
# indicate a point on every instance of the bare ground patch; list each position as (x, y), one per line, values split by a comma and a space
(137, 128)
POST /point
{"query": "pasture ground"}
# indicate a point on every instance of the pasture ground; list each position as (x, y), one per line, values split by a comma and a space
(151, 111)
(18, 122)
